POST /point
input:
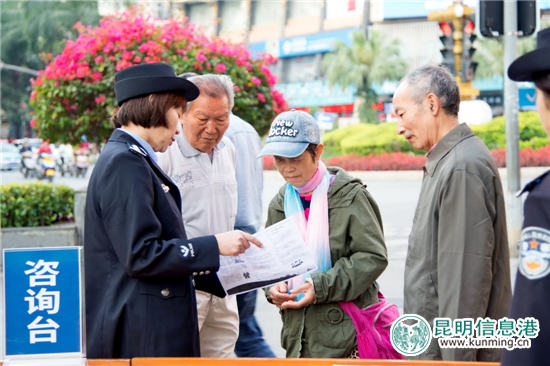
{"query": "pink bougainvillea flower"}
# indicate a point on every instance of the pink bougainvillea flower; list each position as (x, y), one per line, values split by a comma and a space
(128, 38)
(200, 57)
(220, 68)
(255, 80)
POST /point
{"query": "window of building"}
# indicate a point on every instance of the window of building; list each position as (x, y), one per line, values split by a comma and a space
(300, 68)
(266, 12)
(202, 14)
(233, 15)
(304, 9)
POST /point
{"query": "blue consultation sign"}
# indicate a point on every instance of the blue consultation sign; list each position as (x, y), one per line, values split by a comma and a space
(43, 301)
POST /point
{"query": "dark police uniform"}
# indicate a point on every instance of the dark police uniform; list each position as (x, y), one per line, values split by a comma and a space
(139, 264)
(532, 291)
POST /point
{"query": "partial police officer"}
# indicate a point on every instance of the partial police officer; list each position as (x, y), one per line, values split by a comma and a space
(532, 291)
(140, 266)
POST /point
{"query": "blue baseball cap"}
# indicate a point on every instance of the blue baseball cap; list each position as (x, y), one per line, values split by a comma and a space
(291, 133)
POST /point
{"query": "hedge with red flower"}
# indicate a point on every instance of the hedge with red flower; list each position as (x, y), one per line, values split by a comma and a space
(400, 161)
(74, 95)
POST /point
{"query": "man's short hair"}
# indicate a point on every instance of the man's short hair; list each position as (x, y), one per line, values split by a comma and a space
(214, 86)
(437, 80)
(148, 111)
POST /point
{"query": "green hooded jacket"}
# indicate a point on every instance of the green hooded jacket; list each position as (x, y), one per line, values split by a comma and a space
(359, 256)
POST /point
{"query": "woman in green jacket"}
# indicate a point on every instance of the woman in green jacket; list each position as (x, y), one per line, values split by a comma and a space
(341, 225)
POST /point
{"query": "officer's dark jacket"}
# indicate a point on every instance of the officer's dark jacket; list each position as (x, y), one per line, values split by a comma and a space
(532, 295)
(139, 264)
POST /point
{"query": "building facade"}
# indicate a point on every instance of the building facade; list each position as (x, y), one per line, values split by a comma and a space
(301, 33)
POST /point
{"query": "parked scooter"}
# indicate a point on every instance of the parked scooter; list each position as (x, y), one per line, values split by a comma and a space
(64, 158)
(66, 165)
(81, 165)
(28, 164)
(45, 167)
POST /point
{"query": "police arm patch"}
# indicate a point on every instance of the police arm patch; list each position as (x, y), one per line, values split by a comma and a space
(534, 261)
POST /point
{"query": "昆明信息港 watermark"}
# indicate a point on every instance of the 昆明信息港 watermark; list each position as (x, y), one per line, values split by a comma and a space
(411, 334)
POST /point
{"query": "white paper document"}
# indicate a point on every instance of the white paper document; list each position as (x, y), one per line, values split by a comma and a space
(284, 255)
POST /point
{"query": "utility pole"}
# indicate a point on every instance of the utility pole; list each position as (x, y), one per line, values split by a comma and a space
(366, 18)
(511, 110)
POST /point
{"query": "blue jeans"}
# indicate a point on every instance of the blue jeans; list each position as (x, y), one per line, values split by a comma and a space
(250, 342)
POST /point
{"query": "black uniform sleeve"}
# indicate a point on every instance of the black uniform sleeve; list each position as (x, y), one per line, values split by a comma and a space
(135, 229)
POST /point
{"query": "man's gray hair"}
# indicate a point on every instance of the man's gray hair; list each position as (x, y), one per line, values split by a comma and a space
(214, 86)
(437, 80)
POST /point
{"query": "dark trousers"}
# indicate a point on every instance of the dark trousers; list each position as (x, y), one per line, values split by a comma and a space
(250, 342)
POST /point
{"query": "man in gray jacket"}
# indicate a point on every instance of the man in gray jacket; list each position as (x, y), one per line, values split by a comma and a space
(457, 262)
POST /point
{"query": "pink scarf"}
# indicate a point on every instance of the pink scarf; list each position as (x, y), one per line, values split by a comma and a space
(314, 181)
(315, 230)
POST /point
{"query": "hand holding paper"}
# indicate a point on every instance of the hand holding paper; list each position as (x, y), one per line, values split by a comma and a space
(284, 255)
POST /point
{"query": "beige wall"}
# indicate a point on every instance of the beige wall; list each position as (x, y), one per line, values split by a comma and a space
(234, 36)
(301, 26)
(342, 23)
(264, 32)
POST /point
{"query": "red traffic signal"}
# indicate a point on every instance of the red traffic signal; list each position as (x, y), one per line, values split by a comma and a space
(469, 28)
(446, 28)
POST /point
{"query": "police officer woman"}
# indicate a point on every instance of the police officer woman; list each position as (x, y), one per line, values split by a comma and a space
(140, 266)
(532, 291)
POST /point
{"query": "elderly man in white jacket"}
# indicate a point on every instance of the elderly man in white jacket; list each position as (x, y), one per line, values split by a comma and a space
(201, 162)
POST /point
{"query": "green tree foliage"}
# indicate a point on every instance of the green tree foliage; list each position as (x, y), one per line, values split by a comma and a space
(490, 54)
(28, 29)
(366, 61)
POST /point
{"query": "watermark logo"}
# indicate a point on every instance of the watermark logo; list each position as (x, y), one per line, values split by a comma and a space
(485, 333)
(410, 335)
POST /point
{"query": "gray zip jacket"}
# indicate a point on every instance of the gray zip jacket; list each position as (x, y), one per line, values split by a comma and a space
(458, 262)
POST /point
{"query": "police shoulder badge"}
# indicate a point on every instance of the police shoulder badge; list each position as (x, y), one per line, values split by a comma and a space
(534, 252)
(137, 150)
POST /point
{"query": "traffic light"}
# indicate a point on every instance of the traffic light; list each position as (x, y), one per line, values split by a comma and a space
(468, 64)
(528, 18)
(448, 44)
(490, 18)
